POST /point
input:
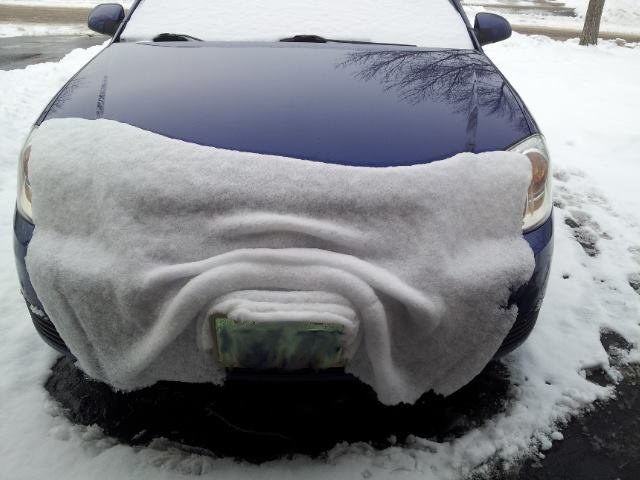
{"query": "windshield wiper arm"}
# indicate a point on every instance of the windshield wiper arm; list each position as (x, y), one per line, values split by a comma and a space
(305, 39)
(175, 37)
(319, 39)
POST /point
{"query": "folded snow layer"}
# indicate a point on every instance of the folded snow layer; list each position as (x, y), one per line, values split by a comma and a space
(253, 306)
(140, 237)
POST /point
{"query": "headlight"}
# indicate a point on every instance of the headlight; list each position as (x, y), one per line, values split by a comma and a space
(24, 186)
(539, 202)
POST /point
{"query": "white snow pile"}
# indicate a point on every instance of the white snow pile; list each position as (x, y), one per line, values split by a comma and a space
(586, 101)
(236, 221)
(433, 23)
(37, 29)
(62, 3)
(624, 13)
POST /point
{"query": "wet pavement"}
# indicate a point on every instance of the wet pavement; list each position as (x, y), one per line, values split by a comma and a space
(18, 52)
(257, 422)
(40, 14)
(263, 420)
(604, 443)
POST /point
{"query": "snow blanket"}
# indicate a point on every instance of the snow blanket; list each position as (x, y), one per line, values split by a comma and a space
(139, 236)
(434, 23)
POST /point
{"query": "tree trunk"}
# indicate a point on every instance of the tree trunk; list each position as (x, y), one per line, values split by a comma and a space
(592, 23)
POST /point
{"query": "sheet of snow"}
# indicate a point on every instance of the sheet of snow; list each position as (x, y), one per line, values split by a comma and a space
(594, 144)
(62, 3)
(616, 12)
(129, 287)
(38, 29)
(433, 23)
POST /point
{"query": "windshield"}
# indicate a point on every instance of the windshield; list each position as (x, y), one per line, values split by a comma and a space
(424, 23)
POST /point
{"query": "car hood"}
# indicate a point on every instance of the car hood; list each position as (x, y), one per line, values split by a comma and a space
(345, 104)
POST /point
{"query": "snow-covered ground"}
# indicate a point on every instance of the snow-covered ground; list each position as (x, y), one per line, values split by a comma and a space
(616, 12)
(37, 29)
(62, 3)
(586, 101)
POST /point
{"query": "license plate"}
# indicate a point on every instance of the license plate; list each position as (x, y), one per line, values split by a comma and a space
(278, 345)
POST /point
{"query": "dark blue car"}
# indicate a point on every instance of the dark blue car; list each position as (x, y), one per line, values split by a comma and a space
(380, 98)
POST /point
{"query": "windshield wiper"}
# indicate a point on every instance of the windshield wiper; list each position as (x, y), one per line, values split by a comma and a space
(175, 37)
(319, 39)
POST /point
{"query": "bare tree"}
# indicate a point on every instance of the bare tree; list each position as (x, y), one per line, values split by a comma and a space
(592, 23)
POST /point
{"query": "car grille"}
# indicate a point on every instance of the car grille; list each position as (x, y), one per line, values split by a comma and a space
(518, 333)
(48, 332)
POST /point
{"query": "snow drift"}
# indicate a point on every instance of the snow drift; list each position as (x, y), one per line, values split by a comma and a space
(139, 236)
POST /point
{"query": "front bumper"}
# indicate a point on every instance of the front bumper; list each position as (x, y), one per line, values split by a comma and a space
(528, 298)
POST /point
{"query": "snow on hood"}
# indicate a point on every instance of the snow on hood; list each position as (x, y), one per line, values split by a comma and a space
(432, 23)
(142, 234)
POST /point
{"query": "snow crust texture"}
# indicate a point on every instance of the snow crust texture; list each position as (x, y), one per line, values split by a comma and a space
(433, 23)
(142, 234)
(623, 13)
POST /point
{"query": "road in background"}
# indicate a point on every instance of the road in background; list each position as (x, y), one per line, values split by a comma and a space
(48, 15)
(18, 52)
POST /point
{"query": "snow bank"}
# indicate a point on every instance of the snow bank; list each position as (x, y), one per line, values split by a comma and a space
(616, 12)
(433, 23)
(128, 269)
(63, 3)
(37, 29)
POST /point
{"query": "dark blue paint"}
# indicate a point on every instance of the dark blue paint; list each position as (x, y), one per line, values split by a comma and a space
(541, 236)
(351, 105)
(106, 18)
(530, 296)
(491, 28)
(22, 234)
